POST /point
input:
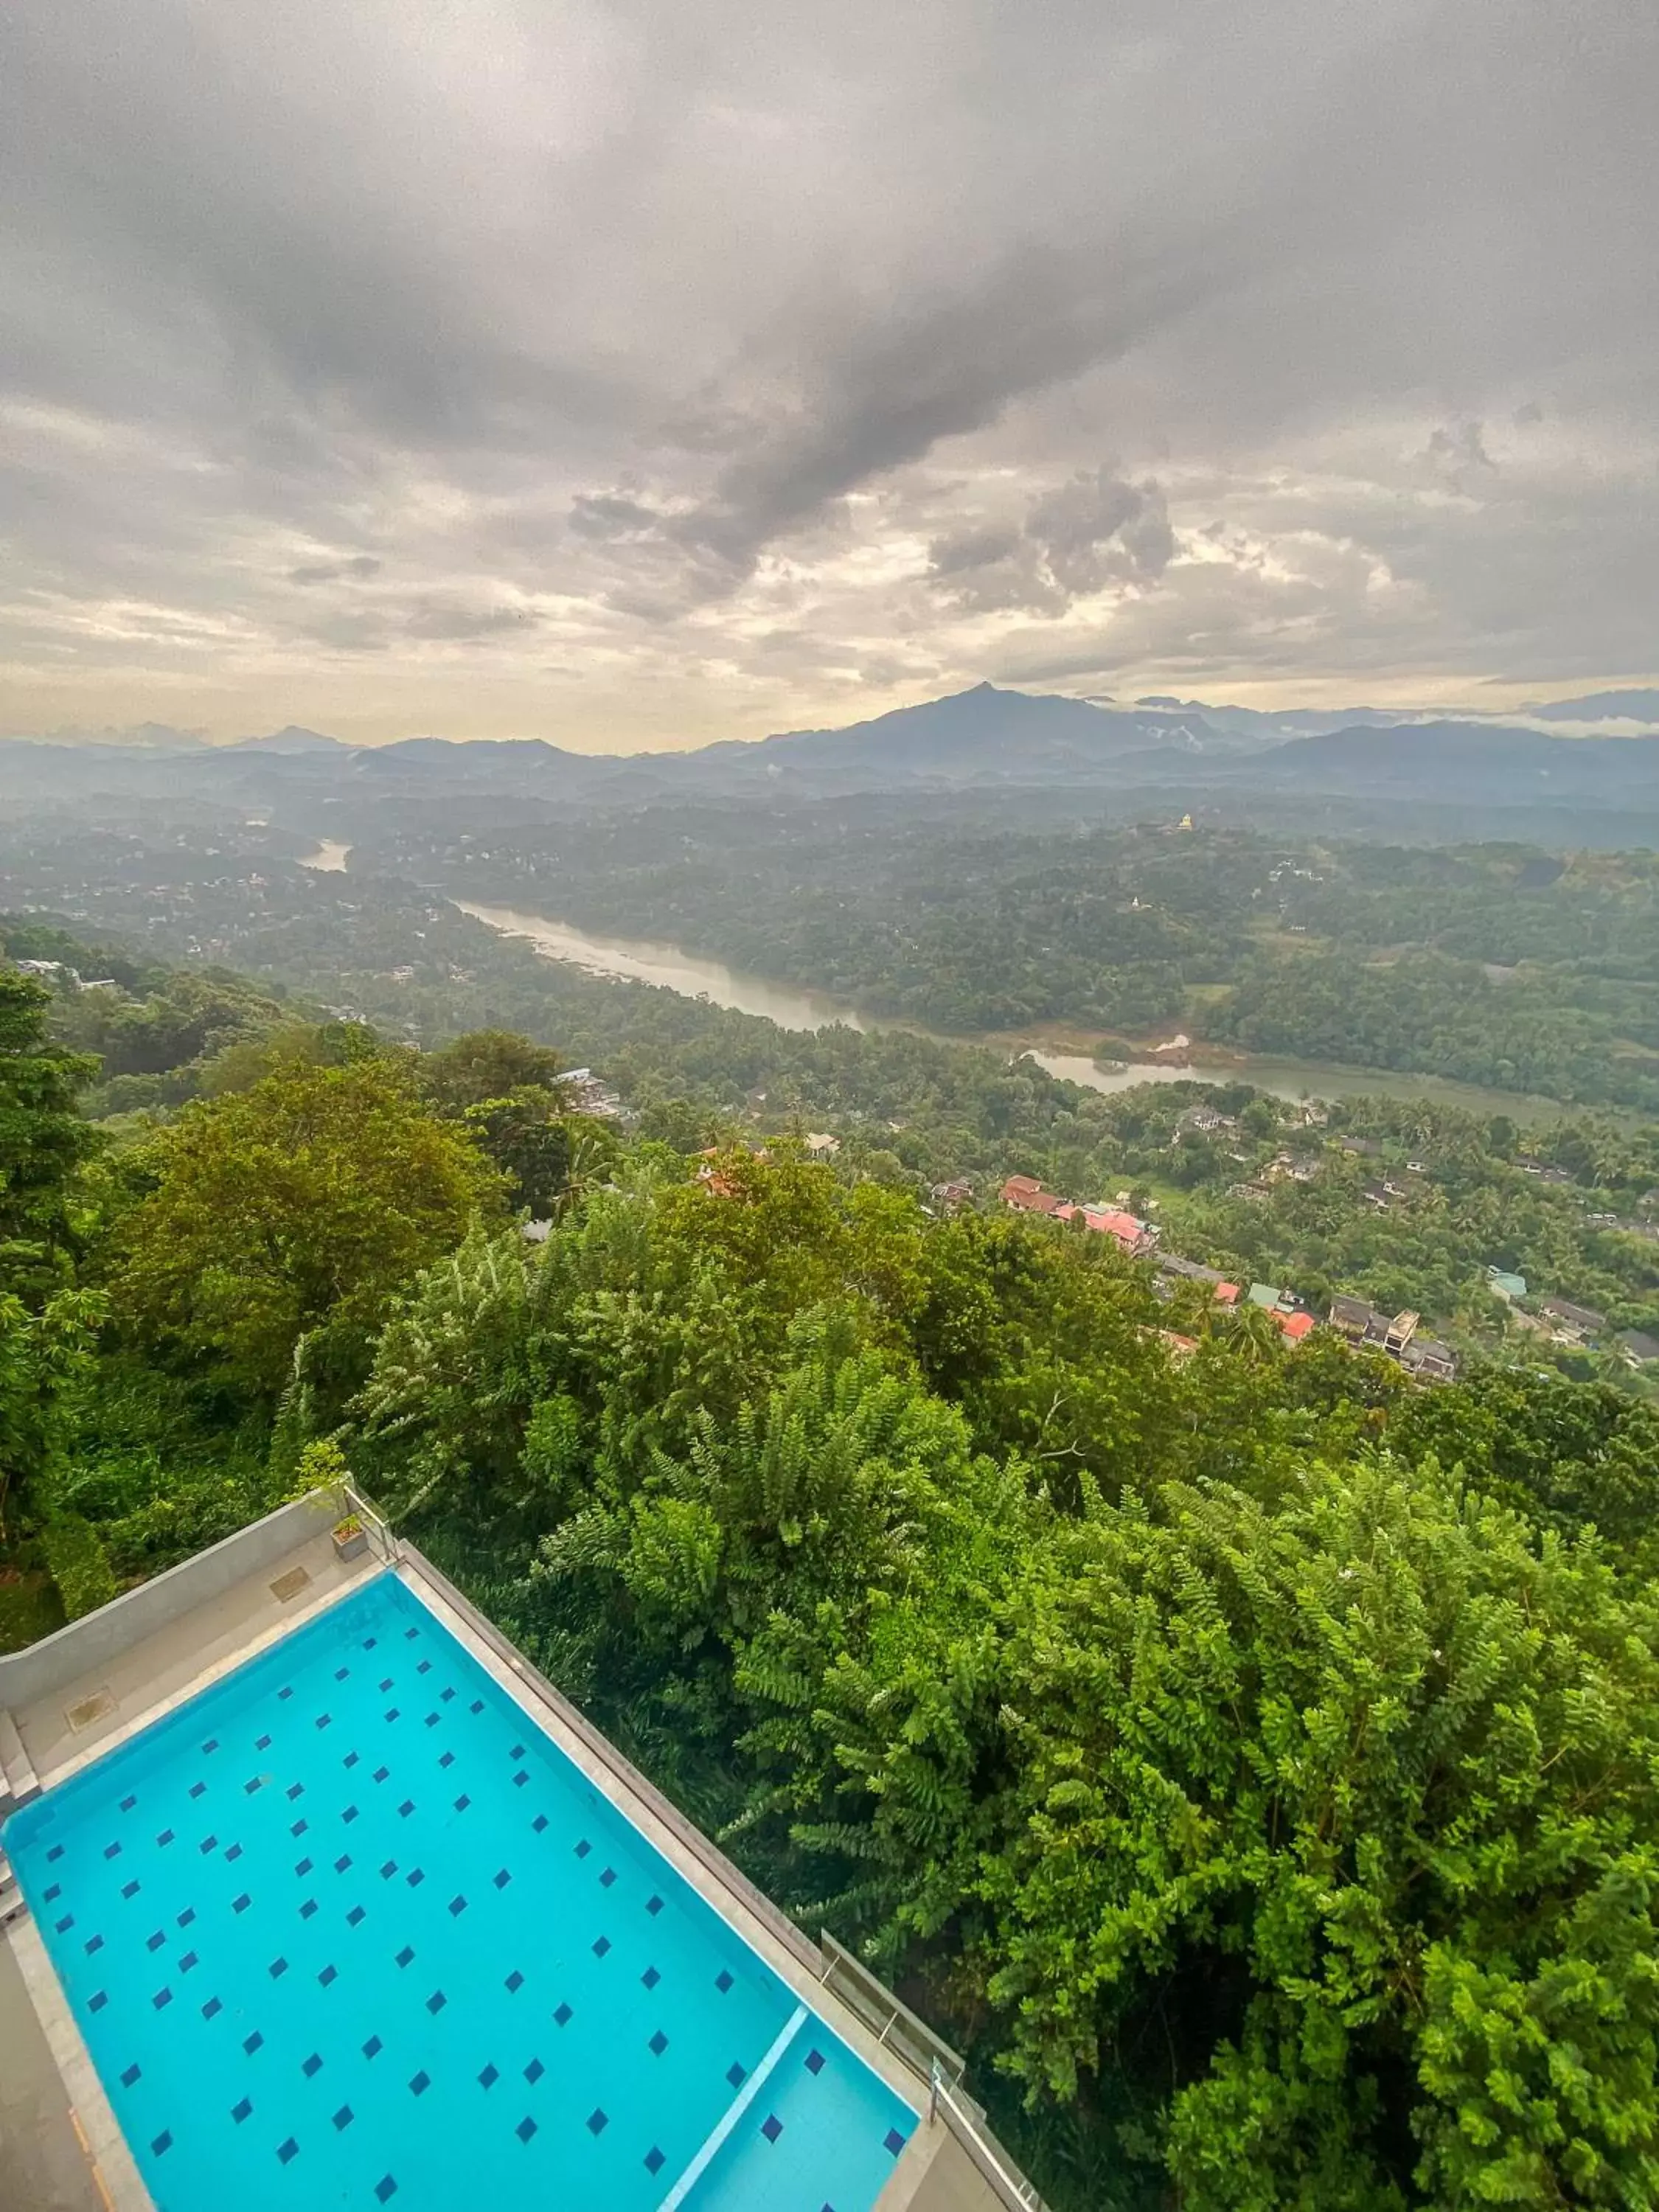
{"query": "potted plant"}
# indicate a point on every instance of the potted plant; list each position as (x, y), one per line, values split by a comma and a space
(350, 1538)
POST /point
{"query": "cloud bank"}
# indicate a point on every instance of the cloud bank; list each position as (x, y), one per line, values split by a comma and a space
(643, 374)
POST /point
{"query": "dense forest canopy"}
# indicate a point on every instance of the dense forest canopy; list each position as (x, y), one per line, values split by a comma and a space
(1245, 1754)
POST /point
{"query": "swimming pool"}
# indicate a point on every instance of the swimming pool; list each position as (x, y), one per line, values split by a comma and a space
(348, 1929)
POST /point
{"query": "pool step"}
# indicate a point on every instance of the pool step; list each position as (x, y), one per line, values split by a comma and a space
(18, 1782)
(12, 1903)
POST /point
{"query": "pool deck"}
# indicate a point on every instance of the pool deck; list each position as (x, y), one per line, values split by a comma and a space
(61, 2148)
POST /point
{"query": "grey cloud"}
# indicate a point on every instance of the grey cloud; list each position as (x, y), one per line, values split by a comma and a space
(359, 566)
(695, 322)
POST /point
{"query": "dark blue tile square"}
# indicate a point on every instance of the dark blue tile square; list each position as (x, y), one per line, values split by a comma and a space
(654, 2161)
(199, 1789)
(561, 2015)
(276, 1969)
(489, 2077)
(893, 2142)
(208, 1844)
(262, 1743)
(771, 2127)
(476, 1707)
(392, 1713)
(607, 1877)
(654, 1905)
(324, 1720)
(539, 1822)
(344, 2118)
(341, 1865)
(64, 1925)
(329, 1974)
(425, 1667)
(436, 2002)
(520, 1778)
(431, 1721)
(446, 1697)
(288, 2150)
(456, 1906)
(373, 2047)
(501, 1879)
(239, 2112)
(534, 2071)
(386, 1685)
(161, 1999)
(353, 1919)
(369, 1643)
(462, 1802)
(388, 1869)
(414, 1877)
(112, 1851)
(659, 2042)
(152, 1942)
(815, 2062)
(651, 1977)
(517, 1752)
(296, 1789)
(299, 1829)
(526, 2128)
(601, 1946)
(129, 2077)
(94, 1944)
(251, 1787)
(409, 1634)
(211, 1745)
(189, 1961)
(187, 1916)
(514, 1982)
(287, 1690)
(253, 2043)
(597, 2121)
(164, 1839)
(722, 1981)
(386, 2188)
(420, 2083)
(340, 1674)
(97, 2001)
(448, 1759)
(349, 1816)
(312, 2065)
(127, 1804)
(307, 1908)
(129, 1889)
(53, 1894)
(163, 2141)
(212, 2007)
(241, 1904)
(56, 1852)
(232, 1855)
(381, 1772)
(405, 1808)
(736, 2075)
(303, 1867)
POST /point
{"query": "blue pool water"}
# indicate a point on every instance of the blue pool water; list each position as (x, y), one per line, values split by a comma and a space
(348, 1929)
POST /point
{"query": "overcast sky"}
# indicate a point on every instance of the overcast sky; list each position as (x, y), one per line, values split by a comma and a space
(641, 373)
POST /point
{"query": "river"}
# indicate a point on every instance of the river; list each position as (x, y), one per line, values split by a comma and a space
(672, 967)
(329, 858)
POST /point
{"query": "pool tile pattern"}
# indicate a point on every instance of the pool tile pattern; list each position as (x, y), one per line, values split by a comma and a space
(317, 2069)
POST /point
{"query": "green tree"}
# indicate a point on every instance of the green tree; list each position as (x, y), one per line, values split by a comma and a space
(298, 1205)
(43, 1139)
(487, 1064)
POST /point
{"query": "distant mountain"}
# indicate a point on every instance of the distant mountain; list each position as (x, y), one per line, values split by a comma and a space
(291, 740)
(1640, 707)
(1467, 763)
